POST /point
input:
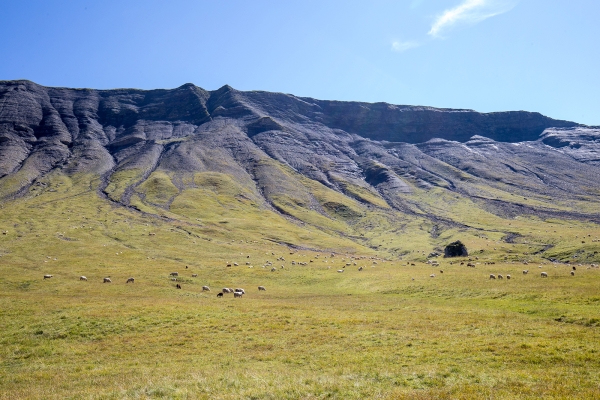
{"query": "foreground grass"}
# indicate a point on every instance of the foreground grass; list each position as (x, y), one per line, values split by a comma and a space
(389, 331)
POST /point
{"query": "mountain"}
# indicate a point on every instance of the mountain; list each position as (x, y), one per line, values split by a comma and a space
(344, 168)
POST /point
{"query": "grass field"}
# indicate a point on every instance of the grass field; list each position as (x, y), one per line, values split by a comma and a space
(388, 331)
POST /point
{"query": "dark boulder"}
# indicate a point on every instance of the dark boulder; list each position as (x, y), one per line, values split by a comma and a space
(455, 249)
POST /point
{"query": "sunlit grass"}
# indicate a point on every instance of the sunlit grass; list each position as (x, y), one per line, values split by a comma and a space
(388, 331)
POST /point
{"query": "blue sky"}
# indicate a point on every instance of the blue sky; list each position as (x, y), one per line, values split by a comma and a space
(487, 55)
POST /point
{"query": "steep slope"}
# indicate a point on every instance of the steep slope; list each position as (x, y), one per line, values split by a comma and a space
(344, 168)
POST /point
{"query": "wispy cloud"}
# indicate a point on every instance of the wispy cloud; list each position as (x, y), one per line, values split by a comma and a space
(469, 12)
(403, 46)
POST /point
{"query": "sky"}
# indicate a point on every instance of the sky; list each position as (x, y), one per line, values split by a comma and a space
(486, 55)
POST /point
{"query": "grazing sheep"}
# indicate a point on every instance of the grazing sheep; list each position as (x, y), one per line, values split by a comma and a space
(360, 268)
(262, 288)
(340, 270)
(205, 289)
(82, 278)
(544, 274)
(525, 272)
(574, 268)
(194, 275)
(238, 294)
(238, 290)
(507, 276)
(227, 290)
(130, 280)
(174, 274)
(441, 271)
(492, 276)
(432, 276)
(178, 286)
(106, 280)
(500, 276)
(273, 269)
(572, 273)
(48, 276)
(219, 294)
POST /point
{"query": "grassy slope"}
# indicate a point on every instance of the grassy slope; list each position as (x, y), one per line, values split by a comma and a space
(314, 333)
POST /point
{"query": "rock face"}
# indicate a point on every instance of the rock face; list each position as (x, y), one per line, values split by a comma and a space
(456, 249)
(150, 146)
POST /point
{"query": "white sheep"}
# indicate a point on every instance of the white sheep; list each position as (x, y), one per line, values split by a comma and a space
(340, 270)
(238, 294)
(205, 289)
(227, 290)
(174, 274)
(500, 276)
(525, 272)
(194, 275)
(48, 276)
(360, 268)
(130, 280)
(544, 274)
(106, 280)
(492, 276)
(273, 269)
(262, 288)
(432, 276)
(82, 278)
(238, 290)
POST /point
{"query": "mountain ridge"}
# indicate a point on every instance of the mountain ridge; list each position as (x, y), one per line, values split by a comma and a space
(319, 162)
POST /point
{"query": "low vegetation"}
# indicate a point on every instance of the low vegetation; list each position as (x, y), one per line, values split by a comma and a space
(388, 331)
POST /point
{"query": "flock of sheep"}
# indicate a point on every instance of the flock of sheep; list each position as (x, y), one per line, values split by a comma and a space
(238, 292)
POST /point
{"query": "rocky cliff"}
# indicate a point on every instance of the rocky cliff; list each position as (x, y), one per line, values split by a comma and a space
(146, 148)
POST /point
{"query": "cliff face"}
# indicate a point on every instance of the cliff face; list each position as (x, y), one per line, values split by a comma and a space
(270, 143)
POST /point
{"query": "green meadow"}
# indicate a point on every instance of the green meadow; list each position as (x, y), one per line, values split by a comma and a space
(388, 331)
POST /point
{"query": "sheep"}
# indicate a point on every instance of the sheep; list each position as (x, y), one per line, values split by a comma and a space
(107, 280)
(130, 280)
(500, 276)
(432, 276)
(492, 276)
(340, 270)
(273, 269)
(525, 272)
(194, 275)
(574, 268)
(205, 289)
(227, 290)
(219, 294)
(82, 278)
(572, 273)
(48, 276)
(178, 286)
(360, 268)
(441, 271)
(507, 276)
(174, 274)
(262, 288)
(544, 274)
(238, 290)
(238, 294)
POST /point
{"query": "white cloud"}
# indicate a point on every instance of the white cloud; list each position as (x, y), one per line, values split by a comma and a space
(469, 12)
(403, 46)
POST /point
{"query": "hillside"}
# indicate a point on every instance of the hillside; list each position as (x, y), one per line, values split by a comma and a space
(333, 166)
(337, 208)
